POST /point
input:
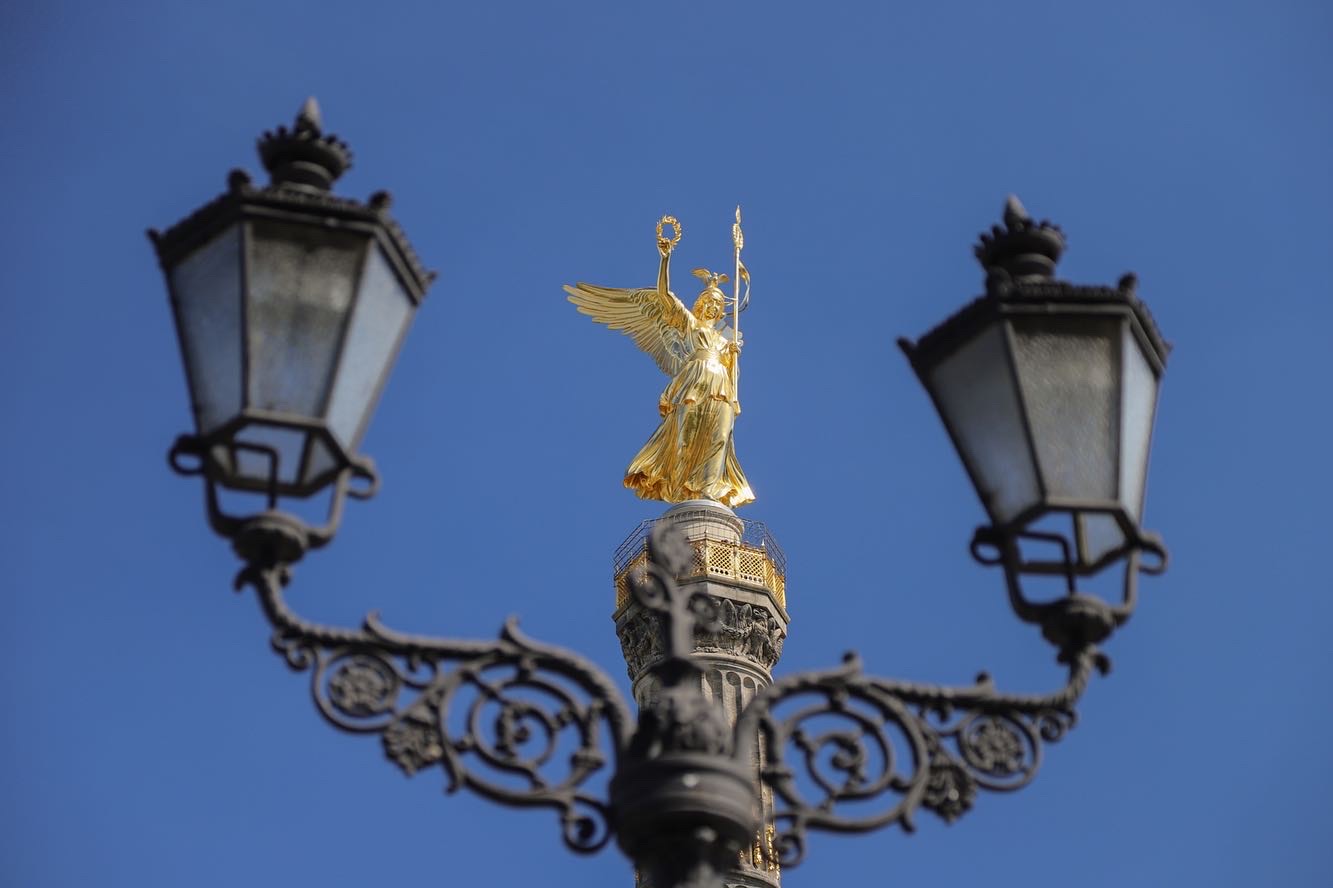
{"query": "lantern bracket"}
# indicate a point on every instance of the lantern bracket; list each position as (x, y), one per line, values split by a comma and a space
(1077, 620)
(989, 542)
(189, 457)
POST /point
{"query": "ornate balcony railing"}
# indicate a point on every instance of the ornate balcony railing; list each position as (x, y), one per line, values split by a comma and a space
(756, 560)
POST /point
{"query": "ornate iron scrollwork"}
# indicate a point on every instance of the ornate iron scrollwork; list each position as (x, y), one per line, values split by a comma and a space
(516, 721)
(874, 751)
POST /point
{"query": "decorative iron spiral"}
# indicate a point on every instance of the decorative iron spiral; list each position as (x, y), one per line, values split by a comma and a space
(873, 751)
(519, 722)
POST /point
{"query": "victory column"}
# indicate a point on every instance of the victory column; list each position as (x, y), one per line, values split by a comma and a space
(690, 461)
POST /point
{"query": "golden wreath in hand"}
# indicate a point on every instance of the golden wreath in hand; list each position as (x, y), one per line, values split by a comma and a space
(667, 244)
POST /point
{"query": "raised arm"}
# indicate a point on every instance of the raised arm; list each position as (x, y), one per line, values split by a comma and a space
(673, 311)
(663, 275)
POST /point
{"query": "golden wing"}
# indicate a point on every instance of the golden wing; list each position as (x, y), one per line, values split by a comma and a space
(642, 314)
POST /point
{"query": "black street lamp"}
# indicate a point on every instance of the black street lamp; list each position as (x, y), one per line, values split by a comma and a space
(1048, 390)
(291, 303)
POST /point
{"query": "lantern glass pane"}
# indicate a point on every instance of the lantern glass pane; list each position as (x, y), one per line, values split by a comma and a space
(206, 295)
(301, 280)
(1069, 371)
(1101, 534)
(979, 403)
(288, 446)
(382, 312)
(322, 459)
(1136, 415)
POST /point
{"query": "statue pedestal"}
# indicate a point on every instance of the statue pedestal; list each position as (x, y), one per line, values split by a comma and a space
(740, 566)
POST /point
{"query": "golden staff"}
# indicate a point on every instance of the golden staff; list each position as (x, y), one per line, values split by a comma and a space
(738, 239)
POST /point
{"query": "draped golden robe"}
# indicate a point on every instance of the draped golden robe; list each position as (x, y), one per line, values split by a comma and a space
(691, 455)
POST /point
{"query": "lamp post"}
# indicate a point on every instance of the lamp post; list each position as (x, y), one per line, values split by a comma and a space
(290, 304)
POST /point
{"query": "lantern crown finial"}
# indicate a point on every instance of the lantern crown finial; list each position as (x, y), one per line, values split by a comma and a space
(1023, 248)
(1014, 211)
(308, 118)
(303, 156)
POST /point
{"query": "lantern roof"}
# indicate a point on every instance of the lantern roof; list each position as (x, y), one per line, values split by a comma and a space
(1019, 259)
(303, 162)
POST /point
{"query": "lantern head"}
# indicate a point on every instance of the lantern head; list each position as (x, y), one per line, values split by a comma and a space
(290, 305)
(1048, 391)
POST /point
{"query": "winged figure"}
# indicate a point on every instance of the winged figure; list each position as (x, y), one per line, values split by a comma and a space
(691, 455)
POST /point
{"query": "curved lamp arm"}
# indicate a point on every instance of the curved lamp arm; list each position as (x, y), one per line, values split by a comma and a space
(857, 738)
(498, 716)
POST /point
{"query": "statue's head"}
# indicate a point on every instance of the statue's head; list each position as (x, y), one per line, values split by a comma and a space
(710, 305)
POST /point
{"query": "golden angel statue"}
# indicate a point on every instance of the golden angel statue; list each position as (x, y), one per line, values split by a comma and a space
(691, 455)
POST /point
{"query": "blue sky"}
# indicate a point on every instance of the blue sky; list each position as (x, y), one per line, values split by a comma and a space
(153, 740)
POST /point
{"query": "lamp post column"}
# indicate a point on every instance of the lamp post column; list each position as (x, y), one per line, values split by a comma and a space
(738, 566)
